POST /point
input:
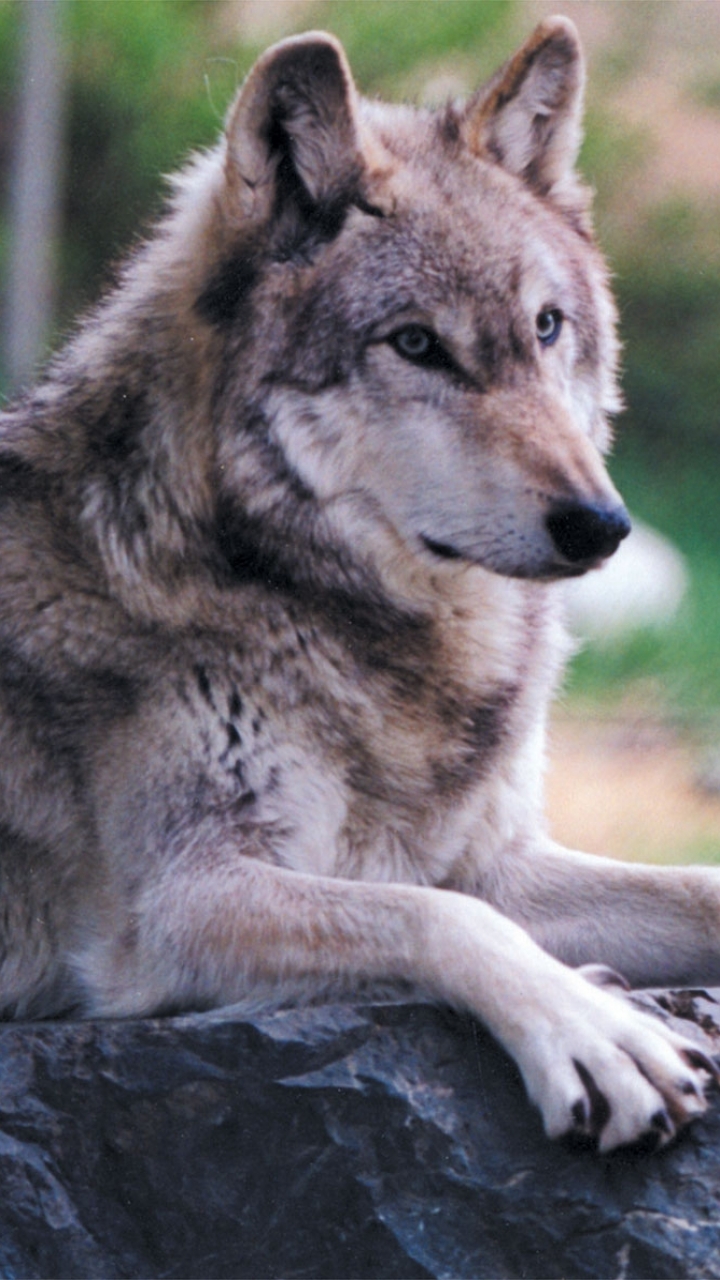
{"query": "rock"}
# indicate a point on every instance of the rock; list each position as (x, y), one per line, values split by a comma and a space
(383, 1141)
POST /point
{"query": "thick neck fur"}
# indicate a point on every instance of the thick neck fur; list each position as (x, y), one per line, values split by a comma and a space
(124, 423)
(139, 477)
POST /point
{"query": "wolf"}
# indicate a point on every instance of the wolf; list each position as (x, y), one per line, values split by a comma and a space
(285, 528)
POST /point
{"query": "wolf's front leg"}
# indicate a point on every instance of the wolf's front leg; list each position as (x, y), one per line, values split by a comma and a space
(657, 926)
(239, 930)
(593, 1064)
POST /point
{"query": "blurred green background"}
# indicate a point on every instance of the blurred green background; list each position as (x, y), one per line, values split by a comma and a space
(146, 80)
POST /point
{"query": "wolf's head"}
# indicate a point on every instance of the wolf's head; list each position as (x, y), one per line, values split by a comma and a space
(390, 330)
(416, 317)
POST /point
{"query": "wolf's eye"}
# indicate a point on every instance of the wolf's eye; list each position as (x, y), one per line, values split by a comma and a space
(413, 342)
(421, 346)
(548, 324)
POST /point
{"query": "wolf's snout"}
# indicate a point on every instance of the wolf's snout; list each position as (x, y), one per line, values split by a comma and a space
(584, 534)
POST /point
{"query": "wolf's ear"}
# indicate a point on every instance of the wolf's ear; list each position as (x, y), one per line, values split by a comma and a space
(529, 117)
(292, 139)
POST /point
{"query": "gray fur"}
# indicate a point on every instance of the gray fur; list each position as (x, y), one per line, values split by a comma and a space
(284, 530)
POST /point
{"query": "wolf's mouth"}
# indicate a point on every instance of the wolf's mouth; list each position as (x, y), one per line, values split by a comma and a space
(546, 572)
(441, 549)
(582, 538)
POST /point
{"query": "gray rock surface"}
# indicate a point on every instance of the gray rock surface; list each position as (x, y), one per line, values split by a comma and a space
(383, 1141)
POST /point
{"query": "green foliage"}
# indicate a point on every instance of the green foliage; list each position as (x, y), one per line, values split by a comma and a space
(386, 38)
(706, 92)
(138, 101)
(675, 668)
(149, 80)
(611, 155)
(671, 322)
(667, 459)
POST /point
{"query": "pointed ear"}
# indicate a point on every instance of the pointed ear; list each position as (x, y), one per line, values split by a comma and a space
(292, 136)
(529, 117)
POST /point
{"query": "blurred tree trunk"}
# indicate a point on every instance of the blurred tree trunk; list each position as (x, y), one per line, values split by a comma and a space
(35, 192)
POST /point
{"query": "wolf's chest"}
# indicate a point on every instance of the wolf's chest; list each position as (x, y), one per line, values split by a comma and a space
(328, 772)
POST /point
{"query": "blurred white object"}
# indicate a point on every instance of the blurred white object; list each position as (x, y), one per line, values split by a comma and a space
(640, 586)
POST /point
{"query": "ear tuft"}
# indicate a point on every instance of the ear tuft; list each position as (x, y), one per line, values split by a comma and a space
(294, 122)
(529, 118)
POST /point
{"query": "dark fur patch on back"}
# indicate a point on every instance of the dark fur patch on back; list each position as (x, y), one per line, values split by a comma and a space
(37, 698)
(229, 289)
(115, 692)
(244, 555)
(114, 433)
(19, 478)
(252, 549)
(55, 713)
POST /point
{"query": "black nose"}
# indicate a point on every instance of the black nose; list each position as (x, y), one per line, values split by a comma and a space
(584, 533)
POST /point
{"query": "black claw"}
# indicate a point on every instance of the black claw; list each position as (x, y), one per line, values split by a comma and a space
(687, 1087)
(599, 1106)
(662, 1122)
(579, 1115)
(696, 1058)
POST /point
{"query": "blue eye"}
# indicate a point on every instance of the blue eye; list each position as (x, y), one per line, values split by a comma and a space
(413, 342)
(421, 346)
(548, 325)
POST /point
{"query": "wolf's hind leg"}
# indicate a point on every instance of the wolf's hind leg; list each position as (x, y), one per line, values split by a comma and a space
(241, 930)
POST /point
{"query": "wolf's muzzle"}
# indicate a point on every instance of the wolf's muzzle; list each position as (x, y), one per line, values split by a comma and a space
(585, 534)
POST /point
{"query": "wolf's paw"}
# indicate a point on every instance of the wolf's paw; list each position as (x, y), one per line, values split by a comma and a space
(610, 1074)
